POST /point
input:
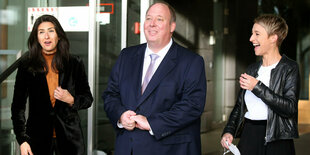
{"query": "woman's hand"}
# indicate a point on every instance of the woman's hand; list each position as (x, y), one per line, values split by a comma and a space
(25, 149)
(247, 82)
(63, 95)
(227, 137)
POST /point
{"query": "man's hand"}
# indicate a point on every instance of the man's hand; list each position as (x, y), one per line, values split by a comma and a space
(141, 122)
(63, 95)
(125, 120)
(25, 149)
(247, 82)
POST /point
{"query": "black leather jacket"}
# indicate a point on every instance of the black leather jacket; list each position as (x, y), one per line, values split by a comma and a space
(281, 97)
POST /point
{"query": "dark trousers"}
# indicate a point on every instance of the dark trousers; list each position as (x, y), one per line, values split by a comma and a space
(252, 141)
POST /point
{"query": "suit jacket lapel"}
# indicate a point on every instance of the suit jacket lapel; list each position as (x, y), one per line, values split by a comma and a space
(41, 81)
(138, 57)
(61, 78)
(163, 69)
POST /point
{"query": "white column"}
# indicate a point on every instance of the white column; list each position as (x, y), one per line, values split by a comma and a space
(124, 24)
(91, 71)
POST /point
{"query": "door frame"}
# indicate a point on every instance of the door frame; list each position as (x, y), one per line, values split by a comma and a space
(93, 52)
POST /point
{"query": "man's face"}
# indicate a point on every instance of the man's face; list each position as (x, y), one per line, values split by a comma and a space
(157, 27)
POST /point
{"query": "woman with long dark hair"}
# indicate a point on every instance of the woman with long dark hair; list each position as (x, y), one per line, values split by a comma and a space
(56, 86)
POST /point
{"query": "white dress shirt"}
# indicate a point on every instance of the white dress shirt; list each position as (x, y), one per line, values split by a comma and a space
(147, 59)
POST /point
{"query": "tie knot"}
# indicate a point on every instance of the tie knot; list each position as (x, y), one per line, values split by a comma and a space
(153, 57)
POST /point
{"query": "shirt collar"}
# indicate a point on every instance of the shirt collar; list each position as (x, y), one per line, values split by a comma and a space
(160, 53)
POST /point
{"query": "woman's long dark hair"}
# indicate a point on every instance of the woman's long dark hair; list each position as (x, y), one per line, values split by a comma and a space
(36, 60)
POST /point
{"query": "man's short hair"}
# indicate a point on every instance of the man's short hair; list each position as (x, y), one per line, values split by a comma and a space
(173, 17)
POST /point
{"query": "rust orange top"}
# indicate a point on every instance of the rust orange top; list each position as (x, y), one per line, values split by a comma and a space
(52, 80)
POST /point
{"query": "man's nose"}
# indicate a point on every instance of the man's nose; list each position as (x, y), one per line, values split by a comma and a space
(153, 22)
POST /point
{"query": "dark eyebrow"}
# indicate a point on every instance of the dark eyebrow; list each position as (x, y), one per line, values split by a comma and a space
(47, 29)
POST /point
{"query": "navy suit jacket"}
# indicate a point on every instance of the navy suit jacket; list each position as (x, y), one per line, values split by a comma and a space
(172, 102)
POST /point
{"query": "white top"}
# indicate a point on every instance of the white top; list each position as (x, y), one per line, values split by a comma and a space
(147, 59)
(257, 109)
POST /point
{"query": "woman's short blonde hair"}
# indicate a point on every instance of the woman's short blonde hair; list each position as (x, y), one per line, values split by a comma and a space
(273, 24)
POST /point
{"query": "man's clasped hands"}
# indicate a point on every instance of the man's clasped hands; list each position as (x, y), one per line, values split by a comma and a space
(131, 120)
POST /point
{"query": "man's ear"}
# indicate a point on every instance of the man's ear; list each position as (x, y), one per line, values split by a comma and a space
(172, 27)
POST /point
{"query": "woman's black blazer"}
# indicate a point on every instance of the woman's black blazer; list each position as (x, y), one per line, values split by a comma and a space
(37, 129)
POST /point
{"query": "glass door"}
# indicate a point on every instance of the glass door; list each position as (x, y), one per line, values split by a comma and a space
(12, 45)
(110, 26)
(121, 31)
(109, 43)
(16, 18)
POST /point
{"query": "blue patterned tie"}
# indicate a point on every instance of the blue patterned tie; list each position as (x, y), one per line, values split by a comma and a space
(150, 71)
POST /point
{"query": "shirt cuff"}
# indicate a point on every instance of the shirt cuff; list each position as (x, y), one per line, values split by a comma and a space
(151, 132)
(119, 125)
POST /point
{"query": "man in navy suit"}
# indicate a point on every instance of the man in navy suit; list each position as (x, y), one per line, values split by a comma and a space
(160, 116)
